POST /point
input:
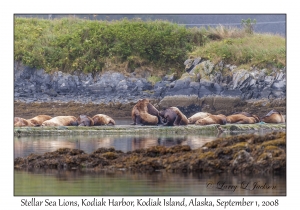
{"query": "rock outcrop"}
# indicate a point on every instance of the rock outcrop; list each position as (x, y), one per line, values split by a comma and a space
(204, 87)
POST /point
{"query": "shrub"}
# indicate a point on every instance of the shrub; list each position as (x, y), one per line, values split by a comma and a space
(90, 46)
(259, 50)
(70, 44)
(248, 25)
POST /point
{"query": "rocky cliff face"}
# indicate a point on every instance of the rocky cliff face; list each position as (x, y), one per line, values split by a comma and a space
(202, 83)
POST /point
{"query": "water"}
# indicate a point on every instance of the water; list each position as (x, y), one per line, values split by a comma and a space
(89, 143)
(66, 182)
(160, 183)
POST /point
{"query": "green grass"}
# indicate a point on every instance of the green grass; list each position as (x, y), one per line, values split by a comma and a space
(259, 50)
(70, 44)
(91, 46)
(154, 79)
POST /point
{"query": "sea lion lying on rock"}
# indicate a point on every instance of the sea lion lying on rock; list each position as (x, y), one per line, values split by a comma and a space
(168, 115)
(212, 119)
(181, 119)
(21, 122)
(198, 116)
(38, 120)
(84, 120)
(61, 121)
(273, 117)
(173, 116)
(145, 113)
(102, 119)
(242, 118)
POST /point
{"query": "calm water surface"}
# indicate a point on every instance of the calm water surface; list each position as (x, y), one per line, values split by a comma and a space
(76, 182)
(89, 143)
(63, 182)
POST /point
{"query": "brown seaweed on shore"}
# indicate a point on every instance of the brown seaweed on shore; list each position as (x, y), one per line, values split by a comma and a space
(248, 154)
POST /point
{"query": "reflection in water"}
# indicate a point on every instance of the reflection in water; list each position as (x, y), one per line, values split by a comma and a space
(89, 143)
(66, 182)
(77, 182)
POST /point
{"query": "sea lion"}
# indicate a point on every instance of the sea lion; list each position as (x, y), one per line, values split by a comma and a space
(181, 119)
(168, 115)
(212, 119)
(173, 116)
(198, 116)
(61, 121)
(38, 120)
(84, 120)
(273, 117)
(145, 113)
(17, 119)
(242, 119)
(21, 122)
(153, 111)
(244, 113)
(102, 119)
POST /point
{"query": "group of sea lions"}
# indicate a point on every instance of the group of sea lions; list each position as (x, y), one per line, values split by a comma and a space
(144, 113)
(82, 120)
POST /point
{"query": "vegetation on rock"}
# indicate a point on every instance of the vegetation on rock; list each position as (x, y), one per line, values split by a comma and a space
(249, 154)
(258, 50)
(91, 46)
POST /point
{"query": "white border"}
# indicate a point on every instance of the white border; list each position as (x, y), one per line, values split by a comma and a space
(7, 200)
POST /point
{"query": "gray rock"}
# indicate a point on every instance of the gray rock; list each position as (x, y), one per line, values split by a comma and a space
(203, 91)
(182, 87)
(277, 94)
(279, 85)
(280, 76)
(122, 86)
(51, 92)
(232, 68)
(170, 78)
(211, 87)
(188, 62)
(197, 61)
(269, 80)
(27, 73)
(189, 65)
(160, 88)
(231, 92)
(239, 78)
(32, 84)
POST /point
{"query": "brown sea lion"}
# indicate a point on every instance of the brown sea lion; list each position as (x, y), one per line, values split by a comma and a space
(102, 119)
(153, 111)
(181, 119)
(84, 120)
(140, 113)
(244, 113)
(38, 120)
(198, 116)
(21, 122)
(61, 121)
(17, 119)
(242, 119)
(169, 116)
(273, 117)
(173, 116)
(212, 119)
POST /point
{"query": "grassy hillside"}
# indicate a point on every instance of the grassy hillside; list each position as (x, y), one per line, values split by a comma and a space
(75, 44)
(71, 44)
(255, 50)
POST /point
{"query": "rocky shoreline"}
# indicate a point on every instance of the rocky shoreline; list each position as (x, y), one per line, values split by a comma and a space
(248, 154)
(36, 85)
(255, 91)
